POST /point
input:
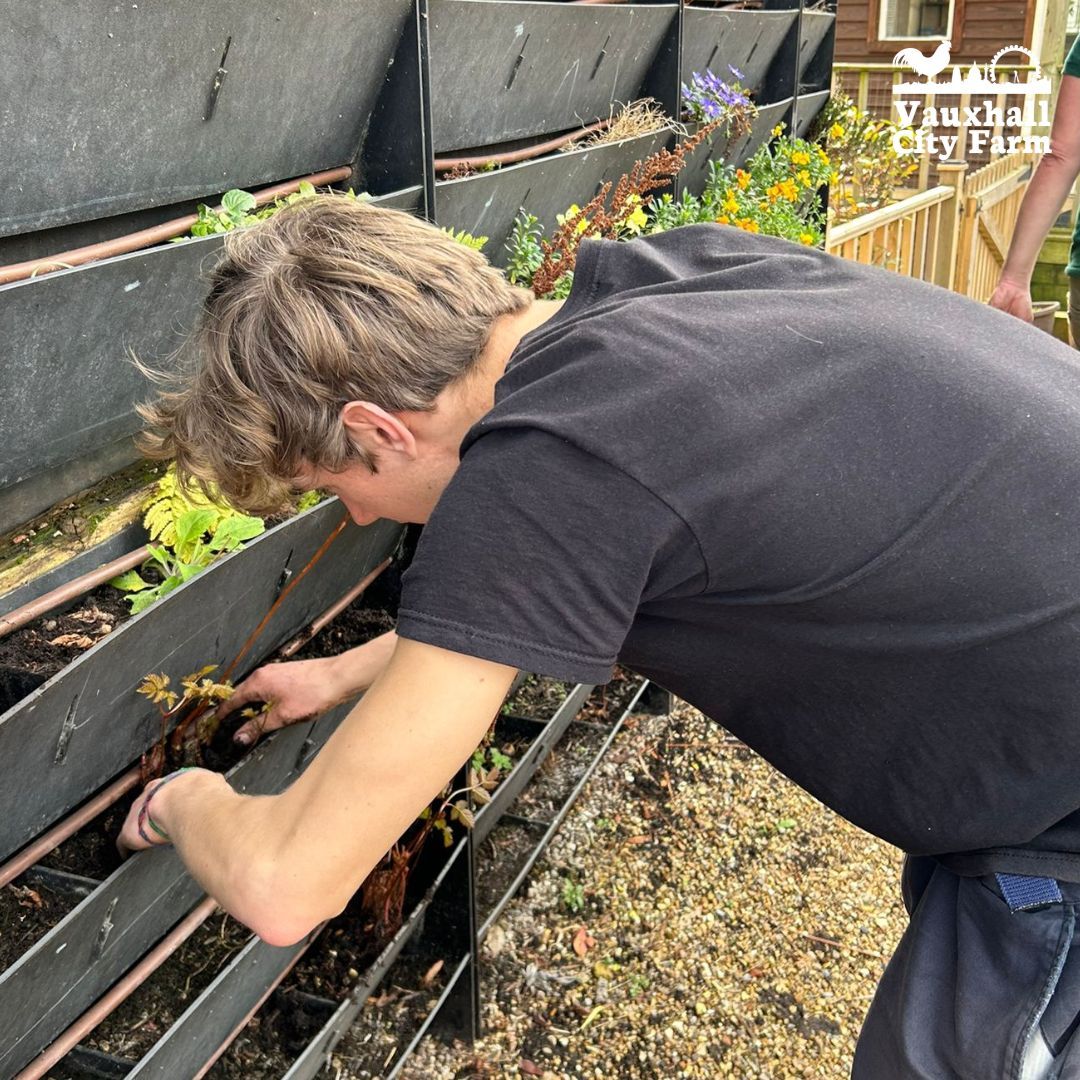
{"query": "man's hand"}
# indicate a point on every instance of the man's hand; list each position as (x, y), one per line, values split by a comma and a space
(131, 839)
(1013, 299)
(302, 689)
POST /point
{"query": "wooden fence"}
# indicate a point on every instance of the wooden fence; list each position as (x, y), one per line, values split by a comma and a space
(955, 234)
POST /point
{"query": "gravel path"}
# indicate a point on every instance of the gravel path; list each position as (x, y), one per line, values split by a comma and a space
(730, 926)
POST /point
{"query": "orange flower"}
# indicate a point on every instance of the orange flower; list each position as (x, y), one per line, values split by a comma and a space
(743, 178)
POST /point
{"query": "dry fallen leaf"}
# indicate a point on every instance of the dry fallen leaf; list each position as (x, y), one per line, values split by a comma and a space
(529, 1069)
(583, 942)
(429, 975)
(636, 840)
(73, 641)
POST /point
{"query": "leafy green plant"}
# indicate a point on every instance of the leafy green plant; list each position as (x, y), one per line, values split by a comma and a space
(573, 896)
(239, 210)
(524, 248)
(191, 531)
(470, 241)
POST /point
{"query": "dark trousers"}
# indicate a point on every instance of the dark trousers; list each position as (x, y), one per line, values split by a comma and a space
(974, 990)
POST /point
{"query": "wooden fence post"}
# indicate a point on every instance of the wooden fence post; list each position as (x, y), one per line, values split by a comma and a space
(950, 242)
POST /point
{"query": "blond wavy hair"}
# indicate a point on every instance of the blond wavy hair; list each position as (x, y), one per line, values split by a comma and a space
(329, 301)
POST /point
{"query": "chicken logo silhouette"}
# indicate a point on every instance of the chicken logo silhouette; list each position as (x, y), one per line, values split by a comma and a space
(996, 123)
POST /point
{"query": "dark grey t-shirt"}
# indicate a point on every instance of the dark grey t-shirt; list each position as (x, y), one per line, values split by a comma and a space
(834, 508)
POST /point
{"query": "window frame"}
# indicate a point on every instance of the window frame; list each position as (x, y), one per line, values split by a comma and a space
(875, 44)
(882, 7)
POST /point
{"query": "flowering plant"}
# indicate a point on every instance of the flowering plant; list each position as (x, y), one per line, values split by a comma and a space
(868, 169)
(710, 98)
(777, 192)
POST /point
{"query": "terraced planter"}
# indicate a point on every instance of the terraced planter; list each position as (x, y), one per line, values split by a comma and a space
(547, 67)
(748, 40)
(487, 203)
(735, 150)
(67, 340)
(250, 98)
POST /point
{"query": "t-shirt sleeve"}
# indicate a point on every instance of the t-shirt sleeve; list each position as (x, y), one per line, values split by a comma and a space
(537, 555)
(1072, 61)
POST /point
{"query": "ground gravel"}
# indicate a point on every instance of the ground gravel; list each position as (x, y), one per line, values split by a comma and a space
(731, 927)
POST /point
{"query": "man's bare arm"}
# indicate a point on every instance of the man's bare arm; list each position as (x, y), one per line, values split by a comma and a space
(281, 864)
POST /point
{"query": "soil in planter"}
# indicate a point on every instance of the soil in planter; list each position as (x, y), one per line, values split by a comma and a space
(272, 1039)
(607, 703)
(91, 852)
(538, 697)
(385, 1027)
(500, 859)
(49, 644)
(27, 913)
(140, 1021)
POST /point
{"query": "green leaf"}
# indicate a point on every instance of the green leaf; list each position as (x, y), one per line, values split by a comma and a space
(143, 600)
(132, 581)
(234, 530)
(307, 189)
(236, 203)
(191, 525)
(186, 571)
(173, 581)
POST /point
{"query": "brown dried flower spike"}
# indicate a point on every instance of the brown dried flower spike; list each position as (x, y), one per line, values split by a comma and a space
(655, 171)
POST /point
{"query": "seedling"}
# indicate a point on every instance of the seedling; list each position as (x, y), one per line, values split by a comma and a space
(199, 695)
(573, 896)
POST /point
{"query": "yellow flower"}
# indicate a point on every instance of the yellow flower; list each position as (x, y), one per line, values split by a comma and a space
(804, 178)
(773, 192)
(723, 219)
(730, 205)
(836, 131)
(778, 130)
(800, 157)
(747, 225)
(789, 189)
(743, 178)
(834, 177)
(821, 154)
(637, 220)
(806, 238)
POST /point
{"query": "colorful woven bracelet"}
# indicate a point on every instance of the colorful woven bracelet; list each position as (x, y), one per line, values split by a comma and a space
(144, 817)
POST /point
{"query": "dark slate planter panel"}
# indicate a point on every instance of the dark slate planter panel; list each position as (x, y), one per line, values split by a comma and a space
(807, 109)
(734, 151)
(125, 120)
(748, 40)
(815, 26)
(69, 968)
(540, 67)
(87, 723)
(66, 338)
(486, 204)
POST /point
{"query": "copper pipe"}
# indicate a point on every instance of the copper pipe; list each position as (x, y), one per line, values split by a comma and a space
(508, 157)
(120, 991)
(71, 590)
(324, 547)
(69, 826)
(158, 234)
(332, 612)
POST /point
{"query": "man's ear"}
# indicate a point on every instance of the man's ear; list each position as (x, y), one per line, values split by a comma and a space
(377, 430)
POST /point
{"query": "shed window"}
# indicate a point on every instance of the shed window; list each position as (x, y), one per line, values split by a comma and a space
(907, 19)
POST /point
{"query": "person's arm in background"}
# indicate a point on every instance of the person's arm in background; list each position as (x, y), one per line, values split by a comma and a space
(1046, 194)
(282, 864)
